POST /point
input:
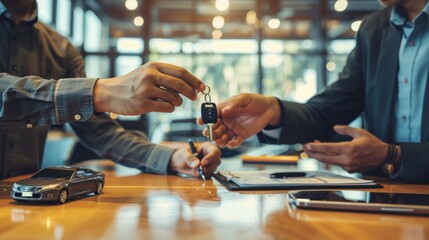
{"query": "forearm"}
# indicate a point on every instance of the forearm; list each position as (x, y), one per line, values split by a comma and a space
(129, 148)
(302, 123)
(37, 101)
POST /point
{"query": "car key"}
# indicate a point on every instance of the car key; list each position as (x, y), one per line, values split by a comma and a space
(209, 116)
(209, 113)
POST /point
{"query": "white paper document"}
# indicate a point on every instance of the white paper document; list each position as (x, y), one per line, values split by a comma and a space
(262, 180)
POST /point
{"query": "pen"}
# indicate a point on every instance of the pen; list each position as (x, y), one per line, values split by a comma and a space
(291, 174)
(195, 153)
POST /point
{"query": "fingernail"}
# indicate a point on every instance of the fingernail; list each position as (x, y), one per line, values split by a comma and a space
(308, 146)
(195, 163)
(202, 87)
(226, 108)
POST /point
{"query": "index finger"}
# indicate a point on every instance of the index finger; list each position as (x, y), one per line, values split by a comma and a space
(326, 147)
(233, 104)
(183, 74)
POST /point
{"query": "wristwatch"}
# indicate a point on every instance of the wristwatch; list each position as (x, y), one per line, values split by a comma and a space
(389, 165)
(388, 168)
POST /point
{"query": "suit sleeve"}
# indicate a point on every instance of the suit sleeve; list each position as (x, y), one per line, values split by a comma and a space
(339, 103)
(415, 162)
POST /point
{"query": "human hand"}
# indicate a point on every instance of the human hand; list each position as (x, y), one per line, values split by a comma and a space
(183, 161)
(242, 116)
(151, 87)
(365, 152)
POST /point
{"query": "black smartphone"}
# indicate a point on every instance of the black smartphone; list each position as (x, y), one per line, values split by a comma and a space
(351, 200)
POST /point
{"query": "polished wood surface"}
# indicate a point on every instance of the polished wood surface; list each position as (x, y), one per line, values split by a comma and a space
(148, 206)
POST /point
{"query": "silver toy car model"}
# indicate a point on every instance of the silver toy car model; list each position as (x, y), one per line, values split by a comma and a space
(58, 184)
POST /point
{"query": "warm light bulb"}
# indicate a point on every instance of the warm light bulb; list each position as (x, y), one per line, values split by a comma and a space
(131, 4)
(222, 5)
(331, 66)
(218, 22)
(138, 21)
(251, 18)
(217, 34)
(274, 23)
(341, 5)
(355, 25)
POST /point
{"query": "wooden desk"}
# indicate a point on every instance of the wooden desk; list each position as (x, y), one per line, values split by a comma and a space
(147, 206)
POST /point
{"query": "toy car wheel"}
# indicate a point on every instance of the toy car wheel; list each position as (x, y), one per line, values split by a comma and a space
(63, 196)
(99, 188)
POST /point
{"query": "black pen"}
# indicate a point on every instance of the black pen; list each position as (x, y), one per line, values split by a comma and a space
(291, 174)
(195, 153)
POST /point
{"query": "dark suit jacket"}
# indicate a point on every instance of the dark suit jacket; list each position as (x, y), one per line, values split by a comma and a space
(367, 87)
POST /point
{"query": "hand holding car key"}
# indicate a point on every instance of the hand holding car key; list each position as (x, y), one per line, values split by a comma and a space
(209, 113)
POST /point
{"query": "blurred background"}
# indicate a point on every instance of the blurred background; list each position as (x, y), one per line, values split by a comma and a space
(286, 48)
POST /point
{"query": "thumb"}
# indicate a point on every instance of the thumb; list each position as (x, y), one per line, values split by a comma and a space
(347, 130)
(233, 104)
(192, 161)
(228, 108)
(200, 121)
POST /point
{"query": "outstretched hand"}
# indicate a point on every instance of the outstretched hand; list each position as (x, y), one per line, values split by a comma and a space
(365, 152)
(152, 87)
(242, 116)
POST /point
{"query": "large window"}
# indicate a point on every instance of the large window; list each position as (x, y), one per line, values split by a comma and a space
(63, 17)
(338, 52)
(125, 64)
(78, 17)
(96, 45)
(96, 38)
(97, 66)
(45, 11)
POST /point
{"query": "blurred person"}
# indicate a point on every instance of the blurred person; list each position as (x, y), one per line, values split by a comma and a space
(42, 83)
(385, 80)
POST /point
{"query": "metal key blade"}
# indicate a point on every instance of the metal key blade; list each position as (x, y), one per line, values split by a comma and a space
(210, 128)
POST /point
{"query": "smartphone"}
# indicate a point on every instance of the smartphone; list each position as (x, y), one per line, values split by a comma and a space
(351, 200)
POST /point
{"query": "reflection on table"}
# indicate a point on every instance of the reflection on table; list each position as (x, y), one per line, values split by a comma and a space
(148, 206)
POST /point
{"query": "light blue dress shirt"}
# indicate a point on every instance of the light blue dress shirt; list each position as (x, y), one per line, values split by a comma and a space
(413, 69)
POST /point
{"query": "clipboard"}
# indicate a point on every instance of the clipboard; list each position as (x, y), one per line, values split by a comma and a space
(261, 180)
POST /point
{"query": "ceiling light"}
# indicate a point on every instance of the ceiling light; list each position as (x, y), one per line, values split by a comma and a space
(251, 18)
(218, 22)
(355, 25)
(138, 21)
(217, 34)
(331, 66)
(341, 5)
(274, 23)
(131, 4)
(222, 5)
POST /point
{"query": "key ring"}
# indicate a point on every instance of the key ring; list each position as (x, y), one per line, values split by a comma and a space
(207, 94)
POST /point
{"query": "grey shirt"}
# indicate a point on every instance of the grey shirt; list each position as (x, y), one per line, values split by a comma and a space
(42, 82)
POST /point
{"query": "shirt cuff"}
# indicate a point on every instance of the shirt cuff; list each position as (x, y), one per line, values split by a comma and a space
(273, 133)
(73, 99)
(158, 160)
